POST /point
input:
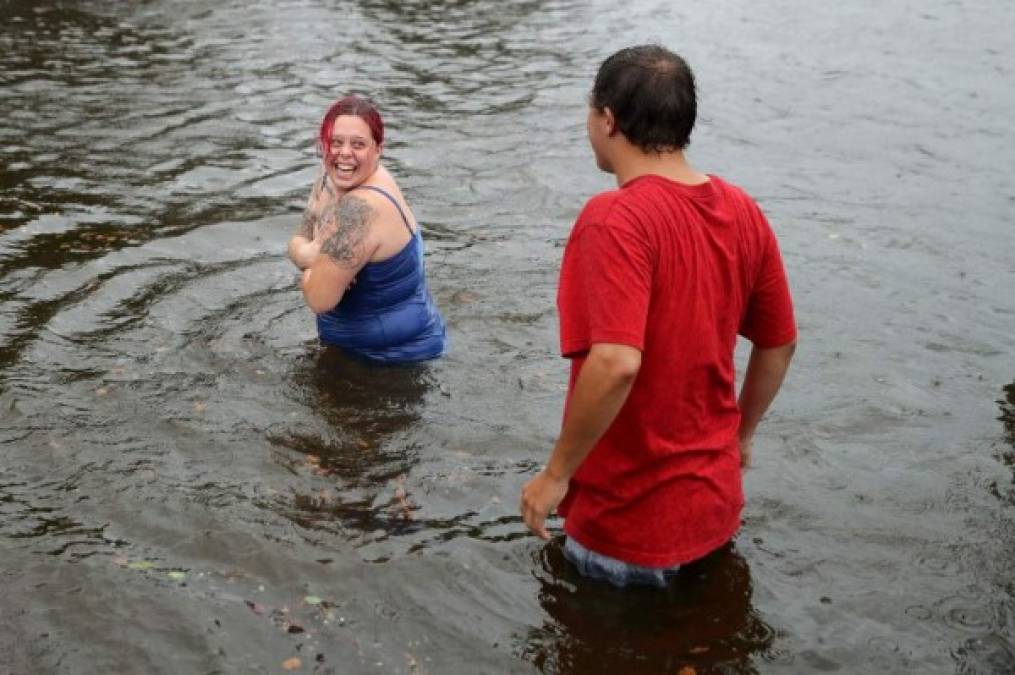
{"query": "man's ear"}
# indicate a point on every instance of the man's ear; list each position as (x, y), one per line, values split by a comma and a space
(610, 121)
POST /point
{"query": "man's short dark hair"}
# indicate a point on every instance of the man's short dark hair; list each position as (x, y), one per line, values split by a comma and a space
(651, 93)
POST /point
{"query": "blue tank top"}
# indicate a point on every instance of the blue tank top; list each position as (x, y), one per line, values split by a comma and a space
(388, 314)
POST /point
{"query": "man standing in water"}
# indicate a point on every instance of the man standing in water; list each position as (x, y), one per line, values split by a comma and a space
(658, 279)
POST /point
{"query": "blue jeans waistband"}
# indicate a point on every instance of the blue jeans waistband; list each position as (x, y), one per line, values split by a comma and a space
(617, 572)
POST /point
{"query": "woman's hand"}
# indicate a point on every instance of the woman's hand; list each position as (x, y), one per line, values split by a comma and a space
(325, 227)
(303, 251)
(318, 223)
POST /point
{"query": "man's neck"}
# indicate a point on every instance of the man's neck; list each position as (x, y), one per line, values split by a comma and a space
(672, 165)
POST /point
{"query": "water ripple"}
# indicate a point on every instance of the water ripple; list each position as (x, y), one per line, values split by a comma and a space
(167, 410)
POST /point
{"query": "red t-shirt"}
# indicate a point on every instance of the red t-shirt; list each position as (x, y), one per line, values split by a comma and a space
(676, 271)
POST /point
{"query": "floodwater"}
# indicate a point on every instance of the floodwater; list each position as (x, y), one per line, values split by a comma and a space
(189, 483)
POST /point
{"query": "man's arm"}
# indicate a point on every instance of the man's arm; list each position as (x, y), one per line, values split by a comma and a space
(599, 393)
(765, 372)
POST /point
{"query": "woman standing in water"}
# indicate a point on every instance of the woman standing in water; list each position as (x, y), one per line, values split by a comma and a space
(361, 250)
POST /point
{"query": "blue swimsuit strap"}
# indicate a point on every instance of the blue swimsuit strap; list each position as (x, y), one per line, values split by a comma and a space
(393, 201)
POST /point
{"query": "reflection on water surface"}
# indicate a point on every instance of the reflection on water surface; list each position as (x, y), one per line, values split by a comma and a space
(704, 620)
(190, 483)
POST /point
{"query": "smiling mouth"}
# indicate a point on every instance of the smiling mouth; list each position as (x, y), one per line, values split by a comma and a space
(344, 169)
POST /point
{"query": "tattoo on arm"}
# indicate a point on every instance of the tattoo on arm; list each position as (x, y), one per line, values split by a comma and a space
(320, 196)
(309, 224)
(345, 247)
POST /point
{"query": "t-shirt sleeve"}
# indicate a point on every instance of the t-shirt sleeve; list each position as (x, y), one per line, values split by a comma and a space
(768, 320)
(616, 268)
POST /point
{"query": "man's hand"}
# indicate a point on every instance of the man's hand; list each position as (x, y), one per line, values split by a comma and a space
(540, 496)
(745, 453)
(600, 390)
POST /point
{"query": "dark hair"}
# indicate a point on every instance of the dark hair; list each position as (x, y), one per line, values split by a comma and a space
(351, 105)
(651, 93)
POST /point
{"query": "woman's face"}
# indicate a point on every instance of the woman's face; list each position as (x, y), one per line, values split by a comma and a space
(353, 155)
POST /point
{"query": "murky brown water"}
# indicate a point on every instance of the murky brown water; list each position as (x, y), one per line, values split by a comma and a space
(190, 484)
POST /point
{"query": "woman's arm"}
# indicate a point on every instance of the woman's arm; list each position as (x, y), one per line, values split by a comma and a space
(306, 243)
(342, 255)
(302, 249)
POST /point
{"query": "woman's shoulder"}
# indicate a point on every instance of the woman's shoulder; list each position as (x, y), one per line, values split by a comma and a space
(381, 192)
(384, 202)
(384, 181)
(391, 221)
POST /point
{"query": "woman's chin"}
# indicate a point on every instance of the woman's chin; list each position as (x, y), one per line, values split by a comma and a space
(346, 183)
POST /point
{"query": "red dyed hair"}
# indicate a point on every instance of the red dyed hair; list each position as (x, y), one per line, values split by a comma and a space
(351, 105)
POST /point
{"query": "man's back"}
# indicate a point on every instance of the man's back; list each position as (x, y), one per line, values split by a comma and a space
(675, 271)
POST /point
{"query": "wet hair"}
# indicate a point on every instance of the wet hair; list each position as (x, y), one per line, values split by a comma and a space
(650, 91)
(351, 105)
